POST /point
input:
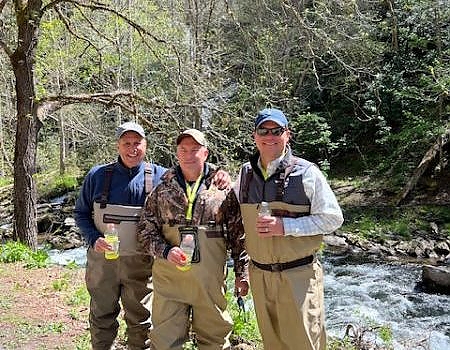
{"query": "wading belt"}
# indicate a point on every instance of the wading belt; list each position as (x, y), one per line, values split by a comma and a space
(278, 267)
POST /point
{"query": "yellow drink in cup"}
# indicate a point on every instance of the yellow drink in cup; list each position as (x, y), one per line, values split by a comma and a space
(187, 245)
(112, 238)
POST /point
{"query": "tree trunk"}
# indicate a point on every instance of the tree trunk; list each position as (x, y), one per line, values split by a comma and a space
(28, 124)
(434, 151)
(62, 146)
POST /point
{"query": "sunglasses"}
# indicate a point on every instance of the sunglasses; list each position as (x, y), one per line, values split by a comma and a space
(279, 130)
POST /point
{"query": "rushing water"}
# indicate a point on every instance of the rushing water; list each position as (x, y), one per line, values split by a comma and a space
(383, 294)
(365, 293)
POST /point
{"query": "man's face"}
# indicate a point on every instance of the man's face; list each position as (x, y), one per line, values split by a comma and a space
(131, 147)
(271, 146)
(191, 155)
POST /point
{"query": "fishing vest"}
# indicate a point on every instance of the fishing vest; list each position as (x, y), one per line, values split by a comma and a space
(125, 217)
(286, 195)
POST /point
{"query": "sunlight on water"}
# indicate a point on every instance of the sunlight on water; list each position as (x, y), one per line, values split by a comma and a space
(64, 257)
(386, 294)
(367, 293)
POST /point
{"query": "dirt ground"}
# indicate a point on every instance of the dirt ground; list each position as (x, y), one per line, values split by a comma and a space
(38, 310)
(43, 309)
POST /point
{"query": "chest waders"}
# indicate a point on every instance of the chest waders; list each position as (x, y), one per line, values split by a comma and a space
(126, 279)
(285, 277)
(200, 289)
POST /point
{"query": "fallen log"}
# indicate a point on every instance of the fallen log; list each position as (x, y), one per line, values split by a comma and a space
(428, 158)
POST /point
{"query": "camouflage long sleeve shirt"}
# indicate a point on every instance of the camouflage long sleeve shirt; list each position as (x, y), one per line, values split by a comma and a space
(167, 204)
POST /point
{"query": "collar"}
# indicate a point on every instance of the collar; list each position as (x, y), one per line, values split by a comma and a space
(273, 167)
(182, 181)
(134, 170)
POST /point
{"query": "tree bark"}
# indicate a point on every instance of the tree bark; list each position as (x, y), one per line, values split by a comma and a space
(62, 146)
(28, 124)
(428, 158)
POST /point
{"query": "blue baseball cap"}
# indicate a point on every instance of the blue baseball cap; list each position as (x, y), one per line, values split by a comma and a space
(129, 126)
(272, 114)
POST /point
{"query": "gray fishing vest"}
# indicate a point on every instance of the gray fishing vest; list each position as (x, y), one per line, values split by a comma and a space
(287, 198)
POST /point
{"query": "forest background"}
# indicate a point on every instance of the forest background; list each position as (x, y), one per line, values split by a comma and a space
(364, 83)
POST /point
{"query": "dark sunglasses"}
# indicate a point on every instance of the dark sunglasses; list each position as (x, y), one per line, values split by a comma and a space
(279, 130)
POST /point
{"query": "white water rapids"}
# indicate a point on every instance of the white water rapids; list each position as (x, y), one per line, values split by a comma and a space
(369, 294)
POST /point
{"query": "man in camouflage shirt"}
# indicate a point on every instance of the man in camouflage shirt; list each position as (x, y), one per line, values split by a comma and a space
(186, 204)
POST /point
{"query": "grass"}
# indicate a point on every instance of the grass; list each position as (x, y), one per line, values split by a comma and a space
(71, 290)
(13, 251)
(380, 223)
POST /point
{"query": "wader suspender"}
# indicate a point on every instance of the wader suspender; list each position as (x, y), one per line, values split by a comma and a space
(148, 180)
(106, 185)
(245, 184)
(283, 181)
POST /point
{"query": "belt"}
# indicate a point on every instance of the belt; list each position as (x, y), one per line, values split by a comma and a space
(278, 267)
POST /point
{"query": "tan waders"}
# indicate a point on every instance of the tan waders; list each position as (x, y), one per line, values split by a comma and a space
(201, 288)
(288, 302)
(126, 279)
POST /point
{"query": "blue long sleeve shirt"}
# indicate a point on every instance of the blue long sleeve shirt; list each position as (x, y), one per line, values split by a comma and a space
(127, 188)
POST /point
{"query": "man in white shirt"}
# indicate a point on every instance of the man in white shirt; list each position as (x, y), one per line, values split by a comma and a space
(286, 277)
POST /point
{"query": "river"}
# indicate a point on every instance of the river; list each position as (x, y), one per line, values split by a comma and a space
(368, 293)
(385, 294)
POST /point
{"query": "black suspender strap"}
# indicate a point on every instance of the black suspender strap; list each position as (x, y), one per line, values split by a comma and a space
(106, 185)
(283, 180)
(245, 183)
(148, 178)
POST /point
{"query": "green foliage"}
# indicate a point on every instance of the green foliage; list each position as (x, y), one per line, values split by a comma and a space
(12, 251)
(245, 325)
(312, 137)
(51, 187)
(79, 297)
(38, 259)
(380, 223)
(4, 181)
(83, 342)
(72, 265)
(386, 335)
(340, 344)
(61, 284)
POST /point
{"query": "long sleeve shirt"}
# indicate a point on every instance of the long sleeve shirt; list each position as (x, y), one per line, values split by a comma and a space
(325, 213)
(127, 188)
(167, 205)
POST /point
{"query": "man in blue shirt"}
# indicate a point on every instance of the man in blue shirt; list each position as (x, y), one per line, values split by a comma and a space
(114, 194)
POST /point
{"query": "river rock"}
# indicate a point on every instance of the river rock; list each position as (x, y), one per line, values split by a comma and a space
(436, 278)
(335, 243)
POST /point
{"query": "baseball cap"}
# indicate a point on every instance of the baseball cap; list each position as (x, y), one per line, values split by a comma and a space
(272, 114)
(197, 135)
(129, 126)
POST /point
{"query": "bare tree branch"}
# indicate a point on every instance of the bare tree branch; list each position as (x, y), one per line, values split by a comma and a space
(68, 26)
(98, 6)
(94, 5)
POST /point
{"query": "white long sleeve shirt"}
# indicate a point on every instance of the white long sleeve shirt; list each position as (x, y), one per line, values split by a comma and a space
(325, 215)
